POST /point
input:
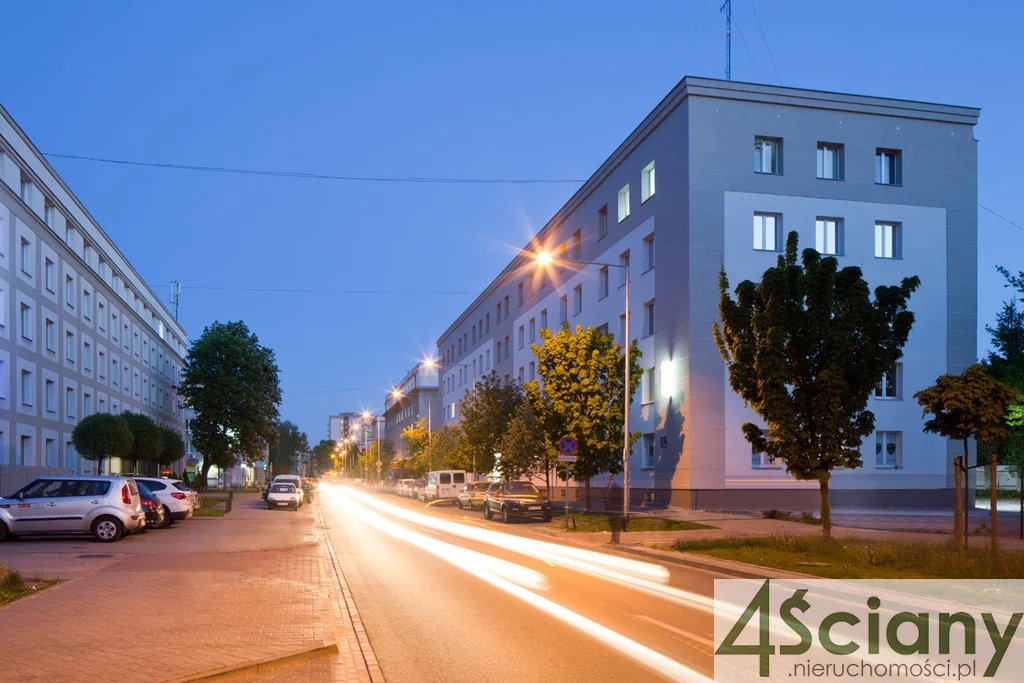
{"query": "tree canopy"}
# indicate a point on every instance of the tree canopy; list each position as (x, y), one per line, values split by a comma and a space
(231, 384)
(290, 441)
(523, 450)
(1005, 362)
(417, 438)
(486, 413)
(323, 456)
(102, 435)
(147, 439)
(805, 348)
(174, 446)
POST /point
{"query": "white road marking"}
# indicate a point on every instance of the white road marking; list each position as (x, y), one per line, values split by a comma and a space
(706, 642)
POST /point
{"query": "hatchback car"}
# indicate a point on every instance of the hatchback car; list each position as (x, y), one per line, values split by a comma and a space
(283, 496)
(516, 499)
(106, 507)
(177, 504)
(293, 479)
(156, 517)
(472, 494)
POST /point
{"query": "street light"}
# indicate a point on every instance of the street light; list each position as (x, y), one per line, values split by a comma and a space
(543, 259)
(433, 363)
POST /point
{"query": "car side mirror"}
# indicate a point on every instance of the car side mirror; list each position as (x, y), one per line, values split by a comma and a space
(21, 495)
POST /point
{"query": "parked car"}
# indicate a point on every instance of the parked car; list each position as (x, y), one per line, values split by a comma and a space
(402, 485)
(416, 489)
(106, 507)
(307, 491)
(516, 499)
(156, 516)
(192, 494)
(472, 494)
(293, 479)
(443, 484)
(284, 495)
(177, 504)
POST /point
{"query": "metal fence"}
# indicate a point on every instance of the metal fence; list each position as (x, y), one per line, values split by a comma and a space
(13, 477)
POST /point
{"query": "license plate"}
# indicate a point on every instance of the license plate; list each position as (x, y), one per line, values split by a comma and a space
(281, 502)
(534, 507)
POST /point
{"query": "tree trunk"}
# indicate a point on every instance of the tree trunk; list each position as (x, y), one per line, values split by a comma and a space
(203, 474)
(826, 509)
(588, 493)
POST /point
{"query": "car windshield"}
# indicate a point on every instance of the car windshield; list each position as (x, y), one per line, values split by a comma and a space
(181, 487)
(520, 487)
(282, 488)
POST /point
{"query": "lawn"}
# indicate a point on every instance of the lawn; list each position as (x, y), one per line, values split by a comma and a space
(862, 559)
(13, 586)
(210, 512)
(598, 521)
(213, 505)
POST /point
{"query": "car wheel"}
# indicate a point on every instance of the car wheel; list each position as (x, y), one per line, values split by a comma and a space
(461, 506)
(166, 522)
(471, 504)
(107, 529)
(504, 515)
(546, 516)
(167, 515)
(487, 511)
(3, 532)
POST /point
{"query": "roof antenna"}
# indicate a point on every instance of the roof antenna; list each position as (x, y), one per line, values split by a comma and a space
(727, 8)
(175, 297)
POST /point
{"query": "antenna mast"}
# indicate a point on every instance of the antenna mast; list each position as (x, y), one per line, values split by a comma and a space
(727, 8)
(175, 297)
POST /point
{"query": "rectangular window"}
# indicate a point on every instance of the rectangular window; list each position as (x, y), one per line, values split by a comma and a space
(113, 327)
(26, 387)
(891, 384)
(69, 395)
(508, 347)
(602, 221)
(888, 167)
(622, 328)
(544, 319)
(86, 404)
(69, 291)
(86, 357)
(649, 318)
(25, 256)
(647, 454)
(533, 330)
(767, 232)
(602, 282)
(51, 396)
(888, 450)
(26, 322)
(498, 314)
(533, 371)
(577, 300)
(86, 304)
(25, 190)
(521, 375)
(48, 275)
(828, 236)
(69, 346)
(576, 246)
(767, 155)
(51, 335)
(649, 252)
(101, 365)
(50, 214)
(508, 309)
(647, 182)
(487, 320)
(522, 336)
(563, 309)
(624, 270)
(624, 203)
(114, 374)
(759, 460)
(531, 284)
(521, 294)
(830, 161)
(888, 240)
(648, 386)
(26, 450)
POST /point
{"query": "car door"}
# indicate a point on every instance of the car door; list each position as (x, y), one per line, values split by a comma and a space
(458, 479)
(37, 511)
(79, 498)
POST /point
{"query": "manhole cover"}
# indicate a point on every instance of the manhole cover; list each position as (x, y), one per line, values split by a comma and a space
(94, 556)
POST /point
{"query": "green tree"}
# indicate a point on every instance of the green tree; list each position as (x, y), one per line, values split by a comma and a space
(353, 461)
(1005, 363)
(323, 456)
(102, 435)
(583, 395)
(231, 383)
(382, 450)
(174, 446)
(523, 450)
(290, 441)
(417, 438)
(147, 440)
(971, 405)
(447, 451)
(805, 348)
(485, 416)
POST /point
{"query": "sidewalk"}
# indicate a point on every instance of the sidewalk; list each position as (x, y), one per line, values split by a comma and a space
(206, 595)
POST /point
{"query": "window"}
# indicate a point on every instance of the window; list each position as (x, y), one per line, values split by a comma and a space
(51, 453)
(888, 167)
(647, 454)
(888, 450)
(101, 365)
(51, 396)
(531, 284)
(50, 214)
(624, 203)
(888, 240)
(498, 316)
(830, 161)
(508, 347)
(508, 309)
(25, 256)
(533, 330)
(26, 387)
(69, 346)
(114, 374)
(69, 291)
(649, 252)
(577, 300)
(828, 236)
(624, 270)
(767, 232)
(622, 328)
(522, 336)
(487, 319)
(25, 190)
(647, 182)
(487, 360)
(602, 282)
(522, 374)
(51, 335)
(563, 309)
(25, 450)
(86, 357)
(767, 155)
(113, 327)
(891, 384)
(762, 460)
(26, 322)
(86, 304)
(649, 318)
(48, 272)
(533, 371)
(69, 396)
(474, 334)
(648, 386)
(544, 319)
(602, 221)
(576, 246)
(521, 293)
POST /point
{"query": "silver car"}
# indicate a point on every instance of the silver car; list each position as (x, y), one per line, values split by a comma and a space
(106, 507)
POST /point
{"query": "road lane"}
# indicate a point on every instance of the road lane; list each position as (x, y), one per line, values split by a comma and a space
(430, 620)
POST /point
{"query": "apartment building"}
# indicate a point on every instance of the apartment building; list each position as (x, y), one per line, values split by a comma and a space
(716, 176)
(80, 330)
(351, 426)
(415, 397)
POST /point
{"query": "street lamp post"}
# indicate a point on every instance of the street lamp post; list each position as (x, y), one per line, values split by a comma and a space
(543, 259)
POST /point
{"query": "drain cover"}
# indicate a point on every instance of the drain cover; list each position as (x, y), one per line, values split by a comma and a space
(94, 557)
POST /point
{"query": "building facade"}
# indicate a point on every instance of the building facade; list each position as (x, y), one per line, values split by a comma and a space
(415, 397)
(351, 426)
(80, 330)
(887, 185)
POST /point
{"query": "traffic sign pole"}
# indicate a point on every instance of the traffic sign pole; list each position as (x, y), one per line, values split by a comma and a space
(567, 446)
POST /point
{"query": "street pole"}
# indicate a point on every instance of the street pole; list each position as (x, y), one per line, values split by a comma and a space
(625, 420)
(566, 496)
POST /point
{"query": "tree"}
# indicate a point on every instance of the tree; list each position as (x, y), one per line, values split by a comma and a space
(805, 348)
(382, 450)
(174, 447)
(290, 441)
(231, 384)
(147, 440)
(583, 395)
(1005, 363)
(523, 450)
(417, 438)
(323, 456)
(102, 435)
(447, 451)
(485, 416)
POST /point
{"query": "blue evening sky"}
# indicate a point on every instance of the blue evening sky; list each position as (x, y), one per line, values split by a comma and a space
(519, 89)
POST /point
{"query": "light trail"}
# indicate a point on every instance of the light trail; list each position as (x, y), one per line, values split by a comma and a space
(641, 654)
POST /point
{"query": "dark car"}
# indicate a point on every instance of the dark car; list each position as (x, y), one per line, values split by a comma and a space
(156, 516)
(516, 499)
(307, 490)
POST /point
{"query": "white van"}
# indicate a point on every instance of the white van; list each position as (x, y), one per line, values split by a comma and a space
(443, 484)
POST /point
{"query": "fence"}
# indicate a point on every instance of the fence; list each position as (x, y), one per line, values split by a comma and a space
(14, 477)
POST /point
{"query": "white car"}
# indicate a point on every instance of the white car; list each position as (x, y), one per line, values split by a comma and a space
(178, 504)
(293, 479)
(284, 495)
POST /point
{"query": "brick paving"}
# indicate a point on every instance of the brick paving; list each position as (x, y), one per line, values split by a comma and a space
(207, 594)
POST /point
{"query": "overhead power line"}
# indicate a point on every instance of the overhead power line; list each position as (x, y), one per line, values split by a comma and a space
(318, 176)
(336, 391)
(753, 60)
(284, 290)
(1001, 217)
(770, 55)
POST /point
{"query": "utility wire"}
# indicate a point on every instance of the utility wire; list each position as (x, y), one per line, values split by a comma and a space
(714, 31)
(696, 27)
(765, 41)
(753, 60)
(327, 291)
(335, 391)
(320, 176)
(1016, 225)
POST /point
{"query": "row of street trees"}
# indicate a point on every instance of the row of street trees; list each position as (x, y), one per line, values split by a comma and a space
(131, 437)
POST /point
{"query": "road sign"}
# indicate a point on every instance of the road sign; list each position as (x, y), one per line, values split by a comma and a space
(567, 458)
(379, 464)
(378, 470)
(567, 445)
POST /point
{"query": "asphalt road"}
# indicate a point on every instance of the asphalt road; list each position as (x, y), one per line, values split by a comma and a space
(433, 612)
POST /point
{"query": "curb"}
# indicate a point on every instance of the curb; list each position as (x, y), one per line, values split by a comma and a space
(739, 570)
(259, 666)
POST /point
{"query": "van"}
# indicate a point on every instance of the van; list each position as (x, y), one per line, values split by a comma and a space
(443, 484)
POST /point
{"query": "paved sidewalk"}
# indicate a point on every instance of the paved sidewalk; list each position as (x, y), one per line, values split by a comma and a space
(223, 592)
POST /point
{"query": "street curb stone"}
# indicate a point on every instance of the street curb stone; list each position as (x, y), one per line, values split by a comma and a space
(259, 666)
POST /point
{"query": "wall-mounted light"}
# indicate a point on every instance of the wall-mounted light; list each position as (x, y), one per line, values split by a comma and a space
(669, 379)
